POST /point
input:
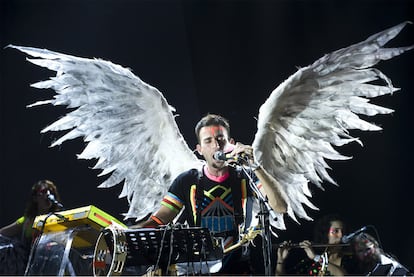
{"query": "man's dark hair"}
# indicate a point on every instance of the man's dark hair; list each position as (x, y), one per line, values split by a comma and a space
(212, 120)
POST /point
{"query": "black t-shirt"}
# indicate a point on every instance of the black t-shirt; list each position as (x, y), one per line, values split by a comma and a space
(217, 208)
(216, 204)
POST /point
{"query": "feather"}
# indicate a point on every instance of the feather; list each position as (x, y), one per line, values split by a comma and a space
(314, 109)
(127, 125)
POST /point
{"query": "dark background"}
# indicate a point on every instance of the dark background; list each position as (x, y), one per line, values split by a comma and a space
(208, 56)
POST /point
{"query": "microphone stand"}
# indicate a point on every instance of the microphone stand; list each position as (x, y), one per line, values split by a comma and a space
(265, 211)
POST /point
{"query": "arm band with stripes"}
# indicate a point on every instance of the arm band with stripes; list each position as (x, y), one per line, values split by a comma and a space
(157, 220)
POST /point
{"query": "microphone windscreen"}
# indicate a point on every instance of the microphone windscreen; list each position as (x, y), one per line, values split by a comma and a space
(219, 155)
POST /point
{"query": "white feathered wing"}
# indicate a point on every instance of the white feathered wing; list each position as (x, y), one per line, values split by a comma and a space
(127, 124)
(312, 111)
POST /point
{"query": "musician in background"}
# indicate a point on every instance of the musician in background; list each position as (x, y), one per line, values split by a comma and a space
(328, 260)
(215, 195)
(16, 239)
(372, 260)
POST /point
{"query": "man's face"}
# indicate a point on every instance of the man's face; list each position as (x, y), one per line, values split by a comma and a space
(212, 139)
(365, 250)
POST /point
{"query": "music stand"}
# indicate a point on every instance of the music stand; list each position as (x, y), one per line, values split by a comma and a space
(170, 245)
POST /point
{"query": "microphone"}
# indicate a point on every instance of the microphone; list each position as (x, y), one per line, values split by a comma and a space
(221, 156)
(347, 238)
(53, 200)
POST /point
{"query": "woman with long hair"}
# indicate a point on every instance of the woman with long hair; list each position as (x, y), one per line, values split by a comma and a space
(16, 238)
(330, 260)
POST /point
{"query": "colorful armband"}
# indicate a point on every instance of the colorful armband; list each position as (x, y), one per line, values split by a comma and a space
(157, 220)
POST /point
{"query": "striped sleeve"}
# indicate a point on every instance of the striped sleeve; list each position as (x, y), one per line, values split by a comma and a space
(172, 202)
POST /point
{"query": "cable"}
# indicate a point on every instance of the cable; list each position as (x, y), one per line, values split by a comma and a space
(171, 244)
(161, 248)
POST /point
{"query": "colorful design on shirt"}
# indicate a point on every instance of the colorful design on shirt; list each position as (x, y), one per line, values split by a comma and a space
(193, 201)
(216, 208)
(216, 201)
(172, 202)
